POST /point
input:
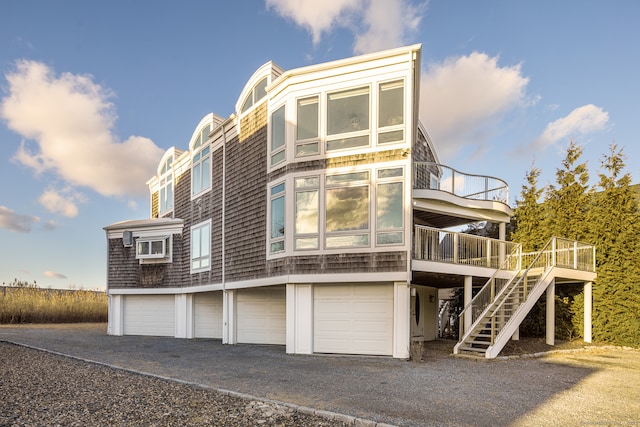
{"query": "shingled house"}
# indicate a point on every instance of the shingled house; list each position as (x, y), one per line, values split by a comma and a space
(315, 217)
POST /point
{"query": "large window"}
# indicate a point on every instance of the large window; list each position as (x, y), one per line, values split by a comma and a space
(201, 164)
(278, 127)
(307, 120)
(258, 92)
(201, 247)
(166, 187)
(391, 112)
(347, 210)
(307, 211)
(348, 119)
(277, 221)
(389, 207)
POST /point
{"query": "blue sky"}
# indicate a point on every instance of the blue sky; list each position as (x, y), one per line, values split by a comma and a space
(93, 93)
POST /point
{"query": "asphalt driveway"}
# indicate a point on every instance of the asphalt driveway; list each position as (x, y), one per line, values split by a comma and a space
(443, 390)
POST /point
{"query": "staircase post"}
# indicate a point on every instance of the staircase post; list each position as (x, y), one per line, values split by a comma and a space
(551, 312)
(468, 295)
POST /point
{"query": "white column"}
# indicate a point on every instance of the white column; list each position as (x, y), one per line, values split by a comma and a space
(229, 317)
(299, 323)
(588, 307)
(401, 319)
(551, 313)
(184, 316)
(468, 295)
(115, 324)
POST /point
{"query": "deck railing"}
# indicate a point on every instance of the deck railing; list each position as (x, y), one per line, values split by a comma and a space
(434, 244)
(434, 176)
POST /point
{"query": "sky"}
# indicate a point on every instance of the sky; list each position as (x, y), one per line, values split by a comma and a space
(93, 93)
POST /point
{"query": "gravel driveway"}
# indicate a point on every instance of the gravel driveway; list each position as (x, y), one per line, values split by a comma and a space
(594, 387)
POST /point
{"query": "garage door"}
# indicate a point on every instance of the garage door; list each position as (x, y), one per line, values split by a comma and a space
(261, 315)
(353, 319)
(207, 315)
(149, 315)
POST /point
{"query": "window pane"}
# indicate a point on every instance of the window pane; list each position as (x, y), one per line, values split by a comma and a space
(344, 143)
(391, 104)
(389, 205)
(277, 246)
(277, 158)
(277, 217)
(247, 103)
(307, 212)
(393, 238)
(307, 149)
(143, 248)
(170, 196)
(306, 243)
(206, 173)
(347, 177)
(348, 111)
(390, 173)
(277, 189)
(157, 247)
(277, 129)
(196, 179)
(347, 241)
(205, 238)
(307, 118)
(347, 208)
(205, 133)
(195, 244)
(260, 90)
(388, 137)
(309, 182)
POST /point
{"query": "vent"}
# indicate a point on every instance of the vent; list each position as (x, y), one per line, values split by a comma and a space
(127, 238)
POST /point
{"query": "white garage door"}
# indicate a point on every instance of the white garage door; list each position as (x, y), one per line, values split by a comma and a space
(353, 319)
(153, 315)
(207, 315)
(261, 316)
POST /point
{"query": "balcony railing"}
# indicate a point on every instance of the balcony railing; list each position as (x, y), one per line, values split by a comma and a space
(434, 244)
(434, 176)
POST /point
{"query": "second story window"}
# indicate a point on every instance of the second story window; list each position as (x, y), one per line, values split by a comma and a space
(391, 112)
(277, 218)
(201, 164)
(201, 247)
(307, 126)
(257, 93)
(347, 210)
(278, 139)
(166, 187)
(348, 119)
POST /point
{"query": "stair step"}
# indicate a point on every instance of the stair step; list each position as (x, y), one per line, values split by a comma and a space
(477, 350)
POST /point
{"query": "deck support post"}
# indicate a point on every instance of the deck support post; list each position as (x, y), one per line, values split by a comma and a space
(468, 295)
(551, 313)
(588, 307)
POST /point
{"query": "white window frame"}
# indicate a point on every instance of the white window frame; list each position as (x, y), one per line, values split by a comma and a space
(199, 228)
(348, 233)
(253, 96)
(299, 237)
(347, 135)
(278, 154)
(313, 140)
(393, 127)
(163, 256)
(273, 195)
(199, 149)
(165, 202)
(398, 179)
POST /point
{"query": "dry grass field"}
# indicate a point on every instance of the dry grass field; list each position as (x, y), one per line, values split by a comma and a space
(30, 304)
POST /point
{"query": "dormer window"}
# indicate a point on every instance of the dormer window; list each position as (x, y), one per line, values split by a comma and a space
(166, 186)
(201, 163)
(257, 93)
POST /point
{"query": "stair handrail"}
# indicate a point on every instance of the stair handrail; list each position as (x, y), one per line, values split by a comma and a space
(516, 254)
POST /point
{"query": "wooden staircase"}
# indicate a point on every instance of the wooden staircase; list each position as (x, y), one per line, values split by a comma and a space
(496, 312)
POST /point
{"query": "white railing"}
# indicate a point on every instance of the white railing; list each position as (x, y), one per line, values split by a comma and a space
(434, 176)
(434, 244)
(558, 252)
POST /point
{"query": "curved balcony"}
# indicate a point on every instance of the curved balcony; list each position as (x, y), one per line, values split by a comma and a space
(451, 197)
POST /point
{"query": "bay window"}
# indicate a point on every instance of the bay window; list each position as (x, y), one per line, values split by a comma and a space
(277, 219)
(347, 210)
(307, 211)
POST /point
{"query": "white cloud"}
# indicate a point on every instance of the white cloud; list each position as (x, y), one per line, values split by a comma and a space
(62, 202)
(463, 99)
(70, 120)
(54, 275)
(581, 121)
(376, 25)
(13, 221)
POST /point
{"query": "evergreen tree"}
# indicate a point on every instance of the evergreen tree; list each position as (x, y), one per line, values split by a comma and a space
(567, 204)
(615, 230)
(529, 215)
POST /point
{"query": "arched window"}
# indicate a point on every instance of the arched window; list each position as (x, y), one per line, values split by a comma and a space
(166, 186)
(201, 163)
(258, 92)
